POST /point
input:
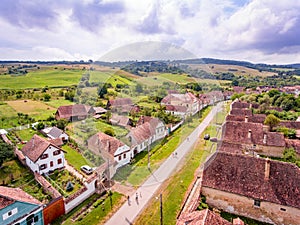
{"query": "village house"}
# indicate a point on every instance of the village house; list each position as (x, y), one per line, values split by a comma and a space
(253, 187)
(110, 149)
(188, 100)
(254, 137)
(147, 131)
(120, 105)
(177, 110)
(254, 118)
(98, 111)
(74, 112)
(122, 121)
(55, 133)
(42, 156)
(18, 207)
(202, 217)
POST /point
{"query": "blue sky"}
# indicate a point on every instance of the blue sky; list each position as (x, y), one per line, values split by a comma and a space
(252, 30)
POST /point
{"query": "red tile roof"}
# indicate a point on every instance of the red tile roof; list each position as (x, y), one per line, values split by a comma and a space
(255, 118)
(240, 112)
(10, 195)
(203, 217)
(57, 141)
(290, 124)
(68, 111)
(238, 132)
(35, 147)
(245, 175)
(176, 108)
(122, 121)
(187, 98)
(105, 142)
(118, 102)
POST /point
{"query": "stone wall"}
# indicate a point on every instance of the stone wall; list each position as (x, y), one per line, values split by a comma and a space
(244, 206)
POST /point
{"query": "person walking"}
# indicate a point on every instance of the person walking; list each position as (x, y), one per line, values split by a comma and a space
(137, 198)
(128, 199)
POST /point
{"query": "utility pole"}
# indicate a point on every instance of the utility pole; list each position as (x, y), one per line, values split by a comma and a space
(161, 209)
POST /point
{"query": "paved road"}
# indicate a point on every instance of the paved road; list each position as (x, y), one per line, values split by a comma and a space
(127, 213)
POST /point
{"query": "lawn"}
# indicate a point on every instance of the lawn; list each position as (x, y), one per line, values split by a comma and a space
(109, 77)
(8, 116)
(95, 214)
(41, 78)
(86, 129)
(174, 190)
(60, 179)
(138, 172)
(59, 102)
(26, 134)
(14, 174)
(35, 109)
(75, 158)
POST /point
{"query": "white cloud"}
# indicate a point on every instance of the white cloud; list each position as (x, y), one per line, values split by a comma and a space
(258, 30)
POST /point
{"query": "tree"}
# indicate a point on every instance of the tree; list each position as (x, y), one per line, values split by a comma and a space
(271, 121)
(110, 132)
(40, 126)
(46, 97)
(61, 124)
(289, 155)
(6, 152)
(102, 90)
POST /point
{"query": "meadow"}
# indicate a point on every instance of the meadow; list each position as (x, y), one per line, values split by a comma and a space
(35, 109)
(42, 78)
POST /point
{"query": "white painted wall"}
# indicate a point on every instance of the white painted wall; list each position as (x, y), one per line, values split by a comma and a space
(35, 166)
(91, 189)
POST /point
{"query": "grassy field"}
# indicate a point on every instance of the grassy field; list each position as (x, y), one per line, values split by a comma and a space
(6, 111)
(41, 78)
(38, 110)
(14, 174)
(174, 190)
(109, 77)
(58, 102)
(74, 158)
(25, 135)
(236, 70)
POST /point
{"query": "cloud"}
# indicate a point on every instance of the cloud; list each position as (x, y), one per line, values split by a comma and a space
(27, 14)
(93, 15)
(237, 29)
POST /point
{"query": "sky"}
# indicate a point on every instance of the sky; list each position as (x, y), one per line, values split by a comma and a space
(259, 31)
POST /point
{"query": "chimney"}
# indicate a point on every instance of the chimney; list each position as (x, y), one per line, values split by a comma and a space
(143, 120)
(249, 134)
(267, 169)
(250, 106)
(246, 119)
(266, 128)
(265, 138)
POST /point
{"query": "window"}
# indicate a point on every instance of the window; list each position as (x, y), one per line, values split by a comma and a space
(57, 152)
(9, 214)
(283, 209)
(59, 161)
(124, 156)
(51, 164)
(120, 157)
(44, 156)
(257, 203)
(43, 166)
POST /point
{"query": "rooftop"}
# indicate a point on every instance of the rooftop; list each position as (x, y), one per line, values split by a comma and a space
(245, 175)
